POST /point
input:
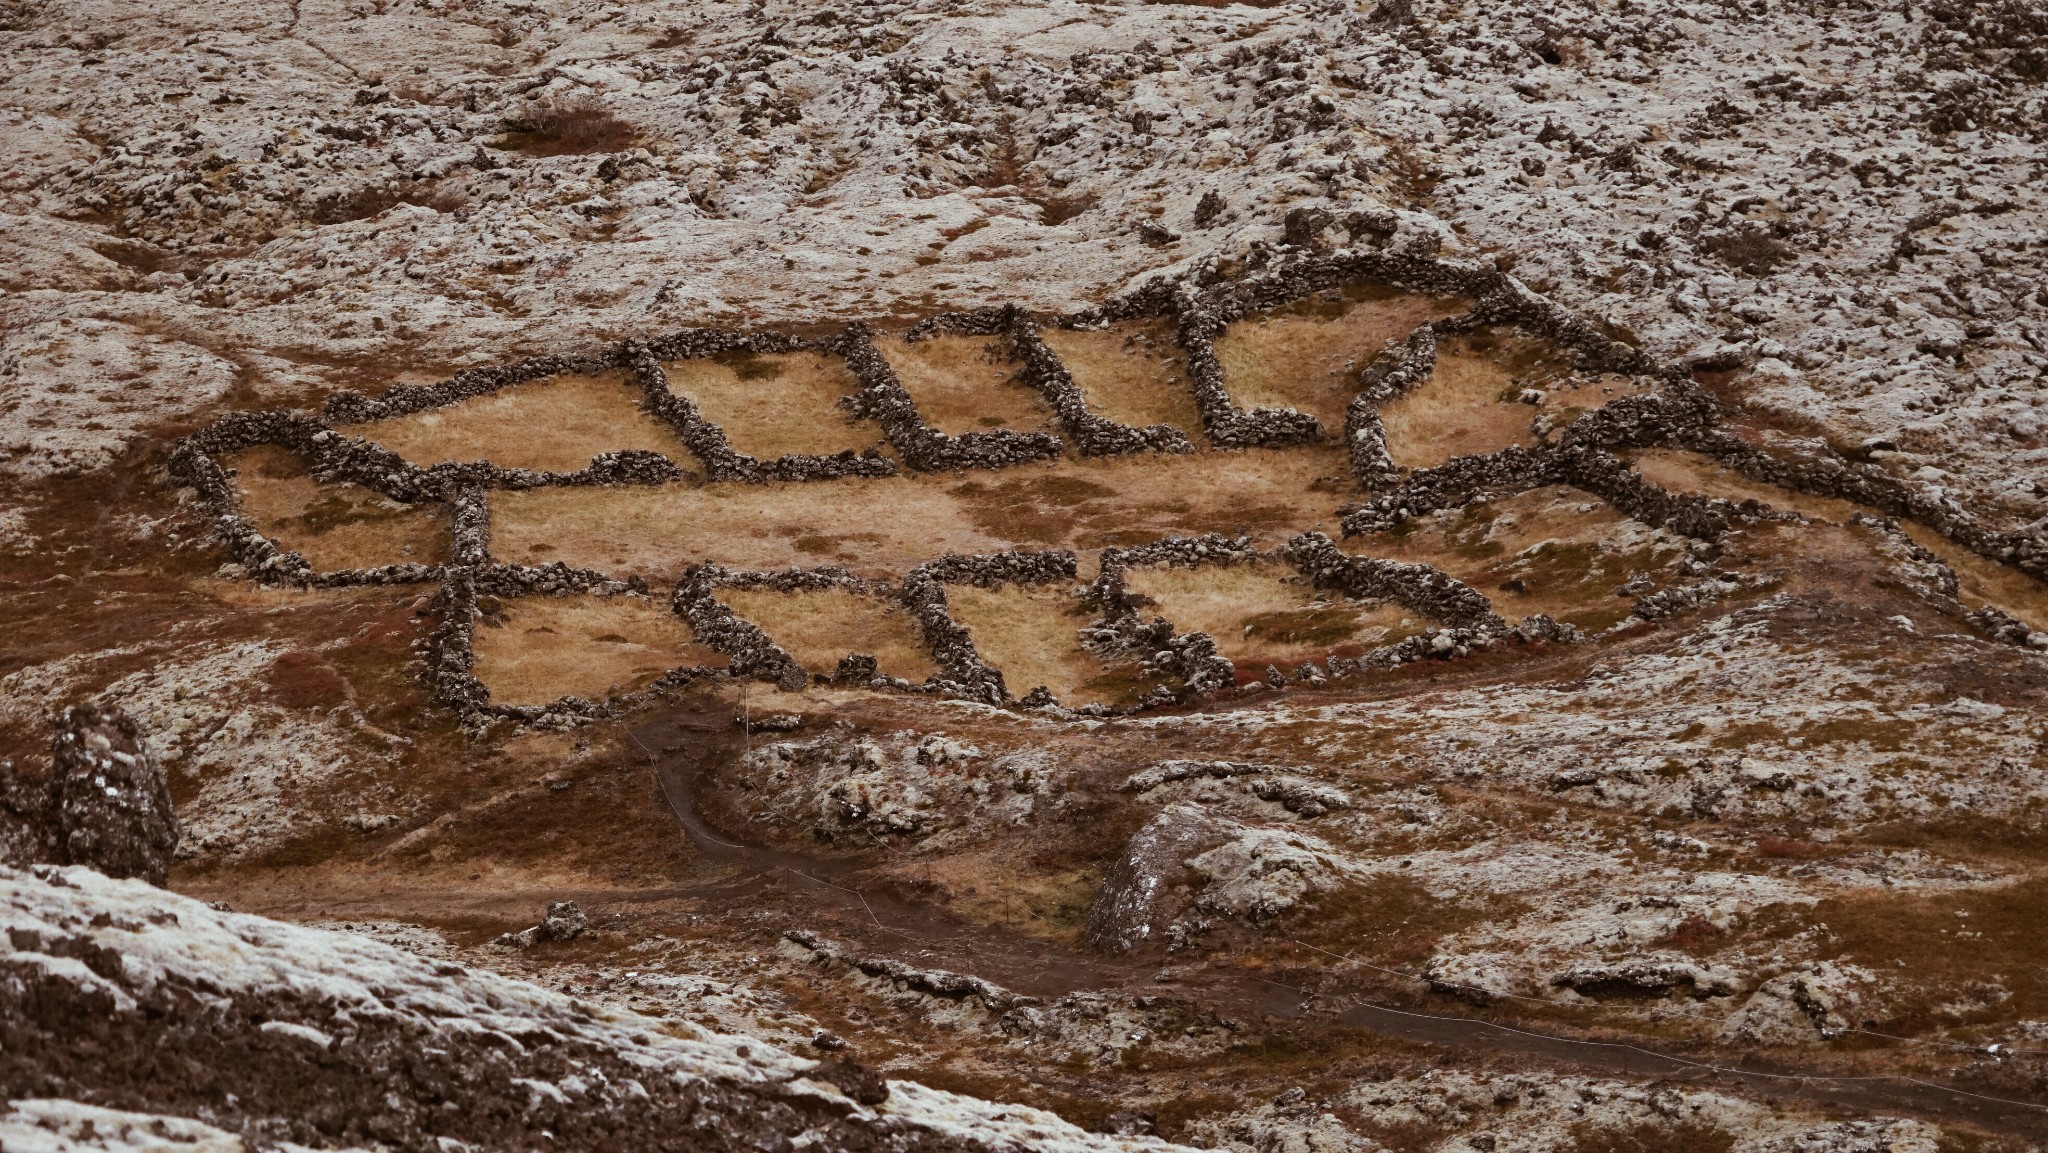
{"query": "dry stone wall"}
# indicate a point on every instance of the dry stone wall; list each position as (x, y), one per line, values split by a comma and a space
(706, 440)
(884, 400)
(1365, 437)
(1122, 631)
(924, 594)
(1092, 435)
(1679, 415)
(1225, 424)
(748, 650)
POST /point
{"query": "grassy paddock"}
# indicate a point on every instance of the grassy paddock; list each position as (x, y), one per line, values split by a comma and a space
(1263, 612)
(967, 384)
(556, 424)
(1132, 372)
(1029, 634)
(1307, 355)
(775, 404)
(820, 626)
(536, 649)
(334, 526)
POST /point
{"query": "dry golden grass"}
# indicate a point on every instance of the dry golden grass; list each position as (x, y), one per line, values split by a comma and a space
(1263, 611)
(818, 627)
(1307, 355)
(587, 646)
(1983, 581)
(1986, 582)
(988, 888)
(1029, 634)
(966, 384)
(1568, 549)
(1132, 372)
(1681, 471)
(556, 424)
(779, 404)
(334, 526)
(881, 527)
(1471, 403)
(1466, 406)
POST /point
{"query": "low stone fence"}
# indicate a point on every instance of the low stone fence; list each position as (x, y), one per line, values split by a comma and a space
(1225, 424)
(1365, 437)
(924, 594)
(1122, 631)
(749, 651)
(1423, 589)
(884, 400)
(1092, 435)
(355, 408)
(706, 440)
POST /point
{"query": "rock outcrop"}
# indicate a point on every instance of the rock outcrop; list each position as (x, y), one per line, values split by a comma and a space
(115, 996)
(105, 803)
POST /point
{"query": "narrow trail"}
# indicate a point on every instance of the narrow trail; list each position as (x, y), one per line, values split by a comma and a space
(687, 745)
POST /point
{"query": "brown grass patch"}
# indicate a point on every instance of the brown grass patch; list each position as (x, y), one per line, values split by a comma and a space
(1307, 355)
(1554, 550)
(1391, 918)
(990, 889)
(334, 526)
(1944, 944)
(818, 627)
(1651, 1137)
(556, 424)
(572, 124)
(880, 527)
(1471, 403)
(967, 384)
(778, 404)
(1983, 581)
(1682, 471)
(1133, 372)
(1263, 612)
(536, 649)
(1029, 634)
(1466, 406)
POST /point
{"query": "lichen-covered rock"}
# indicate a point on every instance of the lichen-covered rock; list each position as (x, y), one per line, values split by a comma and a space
(1814, 1003)
(105, 804)
(145, 1002)
(1138, 898)
(564, 921)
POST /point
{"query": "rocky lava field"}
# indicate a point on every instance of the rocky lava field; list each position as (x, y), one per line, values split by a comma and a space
(982, 574)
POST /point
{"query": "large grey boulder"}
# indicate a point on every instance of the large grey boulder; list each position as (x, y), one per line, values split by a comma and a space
(1147, 888)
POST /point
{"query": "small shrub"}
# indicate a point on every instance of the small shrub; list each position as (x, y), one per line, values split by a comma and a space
(1695, 934)
(375, 199)
(571, 125)
(1750, 248)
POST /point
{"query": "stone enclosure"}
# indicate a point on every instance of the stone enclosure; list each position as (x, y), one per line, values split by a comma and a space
(1150, 660)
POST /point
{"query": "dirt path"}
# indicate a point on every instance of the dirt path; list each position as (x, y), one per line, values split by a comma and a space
(688, 745)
